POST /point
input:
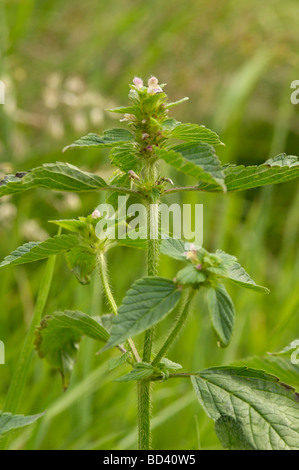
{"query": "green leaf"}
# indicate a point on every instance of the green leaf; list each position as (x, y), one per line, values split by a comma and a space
(175, 103)
(266, 409)
(230, 434)
(73, 225)
(222, 314)
(190, 275)
(125, 110)
(167, 364)
(120, 180)
(55, 176)
(195, 159)
(84, 324)
(58, 336)
(173, 248)
(124, 157)
(141, 371)
(82, 263)
(35, 251)
(239, 276)
(276, 170)
(195, 133)
(169, 124)
(110, 138)
(119, 360)
(10, 422)
(146, 303)
(279, 366)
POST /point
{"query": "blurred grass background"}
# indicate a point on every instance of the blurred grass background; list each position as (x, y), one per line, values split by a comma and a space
(62, 63)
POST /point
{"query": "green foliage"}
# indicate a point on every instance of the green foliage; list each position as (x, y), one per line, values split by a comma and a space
(54, 176)
(265, 409)
(195, 133)
(111, 138)
(276, 170)
(58, 336)
(146, 303)
(35, 251)
(222, 314)
(10, 422)
(195, 159)
(240, 400)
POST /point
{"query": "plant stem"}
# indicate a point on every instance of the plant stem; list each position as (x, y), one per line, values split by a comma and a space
(186, 307)
(144, 392)
(111, 300)
(16, 388)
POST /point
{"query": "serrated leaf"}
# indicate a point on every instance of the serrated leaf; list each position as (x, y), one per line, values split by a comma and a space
(55, 176)
(110, 138)
(141, 371)
(146, 303)
(222, 314)
(279, 366)
(35, 251)
(173, 248)
(124, 157)
(10, 422)
(195, 159)
(239, 276)
(82, 263)
(73, 225)
(276, 170)
(266, 409)
(195, 133)
(58, 336)
(121, 180)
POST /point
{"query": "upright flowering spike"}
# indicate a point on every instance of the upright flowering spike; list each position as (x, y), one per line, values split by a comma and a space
(138, 82)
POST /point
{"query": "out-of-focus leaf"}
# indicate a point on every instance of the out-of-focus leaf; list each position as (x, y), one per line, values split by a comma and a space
(35, 251)
(55, 176)
(10, 422)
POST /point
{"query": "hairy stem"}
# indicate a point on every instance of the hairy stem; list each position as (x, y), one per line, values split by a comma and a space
(185, 309)
(111, 300)
(144, 392)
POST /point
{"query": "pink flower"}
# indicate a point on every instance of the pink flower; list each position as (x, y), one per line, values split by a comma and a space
(138, 82)
(145, 136)
(96, 214)
(199, 267)
(153, 86)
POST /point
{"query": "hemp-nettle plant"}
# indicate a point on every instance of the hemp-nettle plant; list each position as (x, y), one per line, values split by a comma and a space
(251, 409)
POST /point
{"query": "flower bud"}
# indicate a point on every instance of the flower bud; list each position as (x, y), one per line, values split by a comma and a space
(138, 82)
(149, 148)
(153, 82)
(96, 214)
(132, 175)
(199, 267)
(128, 117)
(145, 136)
